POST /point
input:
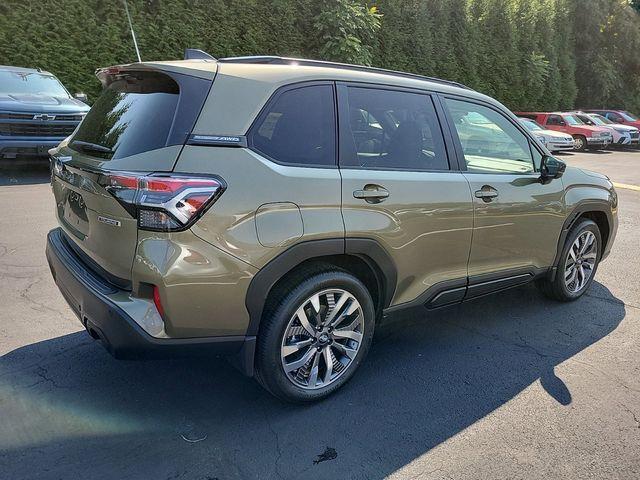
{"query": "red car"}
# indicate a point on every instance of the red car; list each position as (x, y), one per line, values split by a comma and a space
(618, 116)
(585, 136)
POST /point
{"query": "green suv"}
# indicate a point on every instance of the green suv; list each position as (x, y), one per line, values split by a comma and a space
(275, 210)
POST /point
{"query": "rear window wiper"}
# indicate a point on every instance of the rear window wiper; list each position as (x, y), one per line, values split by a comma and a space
(93, 147)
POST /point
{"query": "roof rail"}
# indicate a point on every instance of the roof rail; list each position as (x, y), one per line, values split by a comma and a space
(195, 54)
(275, 60)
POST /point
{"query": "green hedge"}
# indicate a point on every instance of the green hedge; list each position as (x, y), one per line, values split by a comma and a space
(530, 54)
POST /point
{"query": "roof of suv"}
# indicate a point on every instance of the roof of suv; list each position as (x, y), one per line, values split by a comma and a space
(244, 84)
(274, 60)
(280, 69)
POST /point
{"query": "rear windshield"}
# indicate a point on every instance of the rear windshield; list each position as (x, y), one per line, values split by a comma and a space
(134, 114)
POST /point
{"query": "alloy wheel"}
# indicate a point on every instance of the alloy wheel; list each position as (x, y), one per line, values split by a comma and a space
(322, 338)
(581, 261)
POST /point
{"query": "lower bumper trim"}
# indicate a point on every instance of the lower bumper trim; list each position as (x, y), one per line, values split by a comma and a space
(115, 329)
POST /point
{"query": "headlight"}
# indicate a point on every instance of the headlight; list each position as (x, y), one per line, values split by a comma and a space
(613, 197)
(542, 140)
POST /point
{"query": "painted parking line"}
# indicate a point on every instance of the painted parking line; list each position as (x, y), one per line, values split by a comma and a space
(627, 186)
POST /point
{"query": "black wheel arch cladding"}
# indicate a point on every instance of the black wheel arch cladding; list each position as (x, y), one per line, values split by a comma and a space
(365, 248)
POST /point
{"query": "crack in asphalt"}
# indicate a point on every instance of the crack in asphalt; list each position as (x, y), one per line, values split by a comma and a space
(533, 349)
(39, 306)
(635, 418)
(526, 345)
(419, 475)
(43, 373)
(278, 449)
(521, 346)
(612, 301)
(611, 377)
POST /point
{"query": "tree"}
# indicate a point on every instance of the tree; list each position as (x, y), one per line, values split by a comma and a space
(346, 30)
(529, 54)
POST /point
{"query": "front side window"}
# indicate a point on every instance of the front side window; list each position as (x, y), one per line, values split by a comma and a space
(298, 128)
(490, 142)
(389, 129)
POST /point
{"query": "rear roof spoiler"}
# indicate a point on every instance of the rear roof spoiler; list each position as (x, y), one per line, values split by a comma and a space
(195, 54)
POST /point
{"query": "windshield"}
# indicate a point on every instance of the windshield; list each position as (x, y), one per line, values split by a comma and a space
(604, 120)
(31, 83)
(629, 117)
(531, 124)
(590, 120)
(572, 120)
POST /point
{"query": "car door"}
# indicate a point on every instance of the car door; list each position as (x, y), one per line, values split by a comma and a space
(518, 219)
(398, 188)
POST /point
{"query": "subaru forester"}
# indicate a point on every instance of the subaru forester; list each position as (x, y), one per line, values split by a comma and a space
(275, 210)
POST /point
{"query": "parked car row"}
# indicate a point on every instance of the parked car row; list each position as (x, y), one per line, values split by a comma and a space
(580, 130)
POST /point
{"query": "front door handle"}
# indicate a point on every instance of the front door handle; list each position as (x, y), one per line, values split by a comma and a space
(372, 193)
(486, 193)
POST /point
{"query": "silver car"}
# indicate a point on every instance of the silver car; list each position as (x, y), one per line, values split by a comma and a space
(554, 141)
(622, 134)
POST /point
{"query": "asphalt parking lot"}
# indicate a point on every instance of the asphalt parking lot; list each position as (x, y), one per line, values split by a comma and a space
(511, 386)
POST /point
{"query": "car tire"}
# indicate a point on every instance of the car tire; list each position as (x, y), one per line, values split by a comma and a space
(580, 143)
(575, 263)
(327, 359)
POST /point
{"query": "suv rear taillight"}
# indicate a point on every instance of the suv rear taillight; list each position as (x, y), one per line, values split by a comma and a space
(164, 202)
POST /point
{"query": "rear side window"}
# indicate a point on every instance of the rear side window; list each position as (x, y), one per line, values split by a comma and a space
(389, 129)
(138, 112)
(298, 127)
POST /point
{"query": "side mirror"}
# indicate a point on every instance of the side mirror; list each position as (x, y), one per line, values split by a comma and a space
(562, 123)
(551, 168)
(81, 96)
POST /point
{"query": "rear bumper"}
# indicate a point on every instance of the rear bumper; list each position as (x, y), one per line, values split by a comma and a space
(89, 297)
(13, 147)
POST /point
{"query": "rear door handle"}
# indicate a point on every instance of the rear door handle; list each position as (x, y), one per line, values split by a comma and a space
(486, 193)
(372, 193)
